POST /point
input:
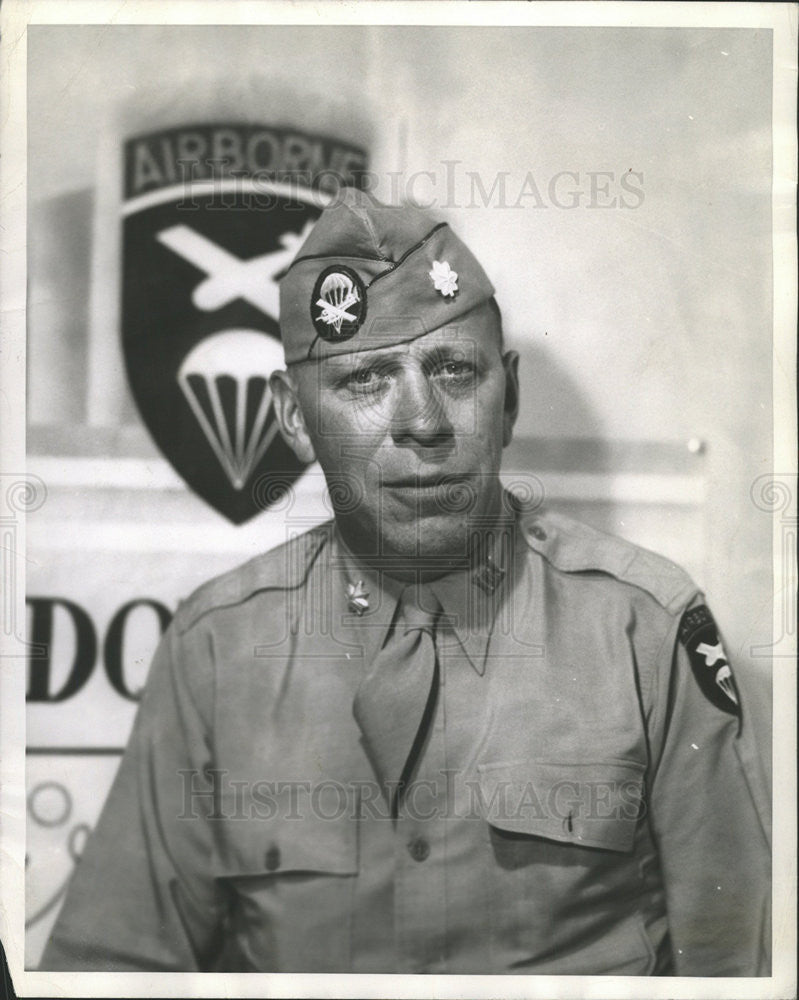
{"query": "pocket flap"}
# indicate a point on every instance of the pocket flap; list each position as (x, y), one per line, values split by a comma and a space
(280, 844)
(595, 805)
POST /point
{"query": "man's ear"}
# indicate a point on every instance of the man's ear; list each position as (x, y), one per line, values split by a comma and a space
(289, 416)
(510, 362)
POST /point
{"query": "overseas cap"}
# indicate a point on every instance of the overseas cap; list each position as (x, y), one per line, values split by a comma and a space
(370, 275)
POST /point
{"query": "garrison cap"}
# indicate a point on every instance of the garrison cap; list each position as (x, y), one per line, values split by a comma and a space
(371, 275)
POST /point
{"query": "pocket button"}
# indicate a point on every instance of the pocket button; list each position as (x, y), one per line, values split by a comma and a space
(272, 859)
(419, 849)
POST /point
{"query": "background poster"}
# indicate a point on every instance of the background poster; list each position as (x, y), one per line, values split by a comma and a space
(617, 184)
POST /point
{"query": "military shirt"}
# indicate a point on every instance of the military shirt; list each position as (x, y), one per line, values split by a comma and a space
(582, 802)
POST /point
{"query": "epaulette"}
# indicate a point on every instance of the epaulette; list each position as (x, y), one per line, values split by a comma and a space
(285, 567)
(574, 547)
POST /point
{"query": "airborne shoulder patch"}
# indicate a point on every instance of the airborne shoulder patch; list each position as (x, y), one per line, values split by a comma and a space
(699, 635)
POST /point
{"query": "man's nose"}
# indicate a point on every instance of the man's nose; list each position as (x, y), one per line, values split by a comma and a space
(419, 416)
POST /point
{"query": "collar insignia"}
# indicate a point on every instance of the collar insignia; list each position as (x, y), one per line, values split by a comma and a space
(357, 598)
(488, 576)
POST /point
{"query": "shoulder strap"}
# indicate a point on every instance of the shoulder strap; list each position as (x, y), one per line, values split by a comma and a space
(283, 568)
(574, 547)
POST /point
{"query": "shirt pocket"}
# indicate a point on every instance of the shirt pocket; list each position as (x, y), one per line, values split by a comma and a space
(562, 880)
(291, 886)
(586, 804)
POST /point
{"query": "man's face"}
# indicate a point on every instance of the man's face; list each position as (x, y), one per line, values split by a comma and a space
(410, 437)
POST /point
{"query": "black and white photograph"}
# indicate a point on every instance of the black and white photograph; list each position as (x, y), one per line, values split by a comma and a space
(398, 499)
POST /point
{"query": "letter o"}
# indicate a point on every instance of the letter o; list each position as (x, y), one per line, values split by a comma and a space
(112, 648)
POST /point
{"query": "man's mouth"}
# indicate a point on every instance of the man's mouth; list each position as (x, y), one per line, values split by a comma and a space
(425, 482)
(433, 494)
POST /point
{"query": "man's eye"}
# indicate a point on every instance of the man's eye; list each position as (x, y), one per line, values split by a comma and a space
(366, 379)
(455, 371)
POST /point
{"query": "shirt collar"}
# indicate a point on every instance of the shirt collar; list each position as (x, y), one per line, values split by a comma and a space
(470, 603)
(382, 592)
(468, 616)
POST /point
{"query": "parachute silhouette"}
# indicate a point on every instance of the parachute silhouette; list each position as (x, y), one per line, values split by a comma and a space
(337, 294)
(225, 380)
(725, 682)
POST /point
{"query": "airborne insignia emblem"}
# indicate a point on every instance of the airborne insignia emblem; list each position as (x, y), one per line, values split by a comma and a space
(338, 304)
(699, 635)
(206, 240)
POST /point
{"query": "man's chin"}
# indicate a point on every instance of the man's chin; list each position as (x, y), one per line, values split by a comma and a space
(440, 539)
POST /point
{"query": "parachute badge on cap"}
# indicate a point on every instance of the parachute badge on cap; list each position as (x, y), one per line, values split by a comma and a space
(338, 303)
(418, 276)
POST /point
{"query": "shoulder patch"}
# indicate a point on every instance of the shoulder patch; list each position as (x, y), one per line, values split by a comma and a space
(574, 547)
(700, 636)
(283, 568)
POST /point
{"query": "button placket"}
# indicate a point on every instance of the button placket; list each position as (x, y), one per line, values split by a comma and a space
(420, 883)
(420, 893)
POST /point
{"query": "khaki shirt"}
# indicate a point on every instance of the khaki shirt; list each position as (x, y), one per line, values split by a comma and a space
(579, 806)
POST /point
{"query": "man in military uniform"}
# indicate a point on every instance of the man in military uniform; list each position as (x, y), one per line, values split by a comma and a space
(443, 733)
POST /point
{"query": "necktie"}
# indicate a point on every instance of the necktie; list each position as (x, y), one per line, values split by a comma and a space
(395, 700)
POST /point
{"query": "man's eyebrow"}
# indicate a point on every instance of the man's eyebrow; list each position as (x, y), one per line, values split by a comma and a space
(336, 368)
(359, 360)
(339, 365)
(448, 349)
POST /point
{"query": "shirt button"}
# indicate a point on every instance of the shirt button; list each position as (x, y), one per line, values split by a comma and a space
(419, 849)
(538, 533)
(272, 859)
